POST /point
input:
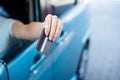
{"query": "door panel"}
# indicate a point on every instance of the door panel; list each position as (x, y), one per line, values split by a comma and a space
(67, 53)
(45, 71)
(20, 67)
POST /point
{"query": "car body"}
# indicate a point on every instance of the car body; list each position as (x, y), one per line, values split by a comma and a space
(26, 63)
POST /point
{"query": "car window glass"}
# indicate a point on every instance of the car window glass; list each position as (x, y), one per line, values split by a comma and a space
(61, 6)
(61, 2)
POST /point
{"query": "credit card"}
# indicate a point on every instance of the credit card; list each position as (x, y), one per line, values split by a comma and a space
(44, 44)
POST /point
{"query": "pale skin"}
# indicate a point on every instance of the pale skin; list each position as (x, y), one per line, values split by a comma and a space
(53, 27)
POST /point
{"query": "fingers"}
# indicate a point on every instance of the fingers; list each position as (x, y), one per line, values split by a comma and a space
(58, 30)
(53, 27)
(47, 24)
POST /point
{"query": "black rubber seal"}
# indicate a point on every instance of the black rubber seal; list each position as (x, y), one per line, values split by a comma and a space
(5, 67)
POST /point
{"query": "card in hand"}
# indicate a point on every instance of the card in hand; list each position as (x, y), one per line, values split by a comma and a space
(44, 44)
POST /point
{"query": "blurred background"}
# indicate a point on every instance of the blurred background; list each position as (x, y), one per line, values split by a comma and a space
(104, 55)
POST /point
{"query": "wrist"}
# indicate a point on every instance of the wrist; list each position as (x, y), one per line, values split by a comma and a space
(18, 29)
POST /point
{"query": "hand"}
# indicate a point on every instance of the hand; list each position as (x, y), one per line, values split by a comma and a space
(53, 27)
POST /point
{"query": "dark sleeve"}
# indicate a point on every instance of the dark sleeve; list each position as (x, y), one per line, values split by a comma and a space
(17, 9)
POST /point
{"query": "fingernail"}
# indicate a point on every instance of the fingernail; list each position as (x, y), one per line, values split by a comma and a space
(53, 39)
(50, 38)
(46, 33)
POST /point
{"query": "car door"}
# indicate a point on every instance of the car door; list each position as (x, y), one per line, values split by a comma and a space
(24, 62)
(67, 49)
(29, 64)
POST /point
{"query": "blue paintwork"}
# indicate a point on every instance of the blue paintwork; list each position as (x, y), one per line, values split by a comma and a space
(19, 68)
(66, 56)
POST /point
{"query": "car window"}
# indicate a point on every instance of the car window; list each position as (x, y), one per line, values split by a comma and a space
(61, 2)
(61, 6)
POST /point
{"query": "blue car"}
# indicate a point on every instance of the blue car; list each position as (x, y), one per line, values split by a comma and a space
(68, 56)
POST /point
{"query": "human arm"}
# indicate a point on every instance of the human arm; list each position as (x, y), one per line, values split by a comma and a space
(31, 31)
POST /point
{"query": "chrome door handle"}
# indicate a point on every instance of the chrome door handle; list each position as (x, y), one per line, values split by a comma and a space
(36, 67)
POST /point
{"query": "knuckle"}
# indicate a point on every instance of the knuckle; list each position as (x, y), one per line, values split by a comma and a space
(52, 32)
(55, 17)
(49, 15)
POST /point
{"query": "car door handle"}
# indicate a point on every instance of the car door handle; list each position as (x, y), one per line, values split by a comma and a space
(61, 38)
(36, 67)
